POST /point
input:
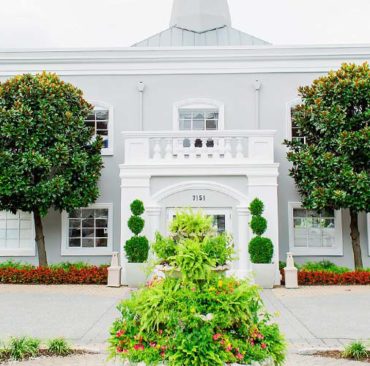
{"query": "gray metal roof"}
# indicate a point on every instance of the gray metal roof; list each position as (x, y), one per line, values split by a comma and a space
(223, 36)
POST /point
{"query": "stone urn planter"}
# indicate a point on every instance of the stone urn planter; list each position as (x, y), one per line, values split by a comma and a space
(264, 274)
(136, 275)
(172, 272)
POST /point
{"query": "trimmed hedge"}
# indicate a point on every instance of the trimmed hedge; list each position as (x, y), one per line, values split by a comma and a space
(49, 276)
(324, 278)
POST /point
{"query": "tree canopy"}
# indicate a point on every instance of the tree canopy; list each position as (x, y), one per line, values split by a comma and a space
(48, 156)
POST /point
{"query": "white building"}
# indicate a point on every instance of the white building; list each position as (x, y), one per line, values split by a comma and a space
(195, 117)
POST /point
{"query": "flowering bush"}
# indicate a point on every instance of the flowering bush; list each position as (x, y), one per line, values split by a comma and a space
(311, 278)
(54, 276)
(195, 319)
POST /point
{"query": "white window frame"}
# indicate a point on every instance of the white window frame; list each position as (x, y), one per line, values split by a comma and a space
(96, 103)
(289, 123)
(199, 103)
(227, 211)
(67, 251)
(21, 252)
(297, 251)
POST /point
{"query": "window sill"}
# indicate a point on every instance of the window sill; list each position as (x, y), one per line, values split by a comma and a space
(316, 252)
(17, 252)
(80, 252)
(107, 152)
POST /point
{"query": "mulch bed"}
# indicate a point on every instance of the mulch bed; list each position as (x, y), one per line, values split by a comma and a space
(43, 353)
(337, 355)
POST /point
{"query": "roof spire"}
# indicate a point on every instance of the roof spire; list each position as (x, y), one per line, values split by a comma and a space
(200, 15)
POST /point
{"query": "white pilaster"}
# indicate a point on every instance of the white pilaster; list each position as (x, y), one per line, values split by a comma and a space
(244, 265)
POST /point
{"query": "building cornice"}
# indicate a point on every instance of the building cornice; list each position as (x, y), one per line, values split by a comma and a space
(185, 60)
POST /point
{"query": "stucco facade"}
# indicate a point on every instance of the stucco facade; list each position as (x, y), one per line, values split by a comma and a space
(253, 89)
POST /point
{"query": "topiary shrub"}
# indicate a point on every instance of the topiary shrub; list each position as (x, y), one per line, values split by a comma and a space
(261, 250)
(137, 248)
(137, 207)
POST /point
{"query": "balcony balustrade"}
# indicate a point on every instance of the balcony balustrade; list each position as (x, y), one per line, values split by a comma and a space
(233, 146)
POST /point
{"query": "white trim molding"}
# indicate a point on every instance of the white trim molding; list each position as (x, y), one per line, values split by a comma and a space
(110, 149)
(22, 252)
(337, 250)
(289, 105)
(67, 251)
(199, 103)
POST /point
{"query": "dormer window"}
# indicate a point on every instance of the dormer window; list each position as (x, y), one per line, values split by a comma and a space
(101, 122)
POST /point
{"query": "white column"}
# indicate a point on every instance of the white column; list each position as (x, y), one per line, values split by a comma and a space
(264, 187)
(244, 265)
(132, 188)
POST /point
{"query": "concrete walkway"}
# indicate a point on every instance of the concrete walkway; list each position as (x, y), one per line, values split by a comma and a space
(312, 317)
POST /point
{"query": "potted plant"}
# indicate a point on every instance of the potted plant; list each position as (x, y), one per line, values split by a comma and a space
(201, 318)
(196, 230)
(261, 249)
(137, 247)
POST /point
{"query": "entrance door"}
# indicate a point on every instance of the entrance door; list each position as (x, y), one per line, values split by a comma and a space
(221, 217)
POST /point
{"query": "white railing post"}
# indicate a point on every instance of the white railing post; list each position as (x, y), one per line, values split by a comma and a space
(157, 149)
(228, 152)
(168, 150)
(239, 148)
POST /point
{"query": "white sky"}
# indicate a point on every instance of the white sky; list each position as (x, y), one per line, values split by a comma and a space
(120, 23)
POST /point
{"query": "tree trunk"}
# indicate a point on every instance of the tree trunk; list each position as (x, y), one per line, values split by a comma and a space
(355, 235)
(40, 239)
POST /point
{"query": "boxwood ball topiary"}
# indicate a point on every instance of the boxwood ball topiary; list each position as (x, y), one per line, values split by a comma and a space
(137, 249)
(137, 207)
(136, 224)
(261, 250)
(256, 207)
(258, 225)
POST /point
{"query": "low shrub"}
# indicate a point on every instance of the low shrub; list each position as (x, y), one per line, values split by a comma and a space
(356, 351)
(59, 347)
(322, 278)
(22, 348)
(13, 264)
(49, 276)
(323, 266)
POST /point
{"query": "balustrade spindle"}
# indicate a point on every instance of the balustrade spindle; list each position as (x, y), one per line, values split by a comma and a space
(239, 148)
(157, 149)
(228, 152)
(168, 150)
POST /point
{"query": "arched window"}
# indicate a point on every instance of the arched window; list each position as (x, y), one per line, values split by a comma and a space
(293, 131)
(101, 121)
(200, 114)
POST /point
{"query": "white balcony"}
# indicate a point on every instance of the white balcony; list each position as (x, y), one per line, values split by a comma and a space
(198, 147)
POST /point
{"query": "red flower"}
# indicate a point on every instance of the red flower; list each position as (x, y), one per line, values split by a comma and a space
(120, 333)
(217, 336)
(119, 349)
(263, 345)
(229, 348)
(139, 347)
(239, 356)
(153, 344)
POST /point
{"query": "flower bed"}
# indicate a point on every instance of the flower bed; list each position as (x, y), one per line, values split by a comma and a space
(91, 275)
(312, 278)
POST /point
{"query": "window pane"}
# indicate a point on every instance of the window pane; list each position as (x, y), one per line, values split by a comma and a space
(75, 243)
(102, 125)
(87, 233)
(74, 223)
(87, 213)
(185, 124)
(91, 117)
(185, 115)
(101, 233)
(198, 124)
(101, 243)
(101, 213)
(87, 243)
(211, 125)
(74, 233)
(102, 115)
(88, 223)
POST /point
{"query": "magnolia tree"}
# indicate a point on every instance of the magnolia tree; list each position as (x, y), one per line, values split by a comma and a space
(48, 157)
(332, 169)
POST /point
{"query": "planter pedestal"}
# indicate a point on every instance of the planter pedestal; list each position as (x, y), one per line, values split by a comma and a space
(264, 275)
(136, 275)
